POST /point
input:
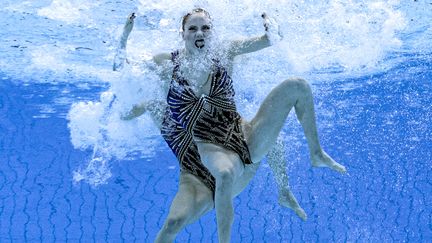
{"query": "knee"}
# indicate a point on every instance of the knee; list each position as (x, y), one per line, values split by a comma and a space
(175, 223)
(226, 176)
(298, 84)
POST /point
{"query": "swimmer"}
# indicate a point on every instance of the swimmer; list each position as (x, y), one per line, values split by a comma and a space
(156, 109)
(219, 152)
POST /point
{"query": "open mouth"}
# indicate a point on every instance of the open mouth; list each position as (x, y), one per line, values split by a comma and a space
(199, 43)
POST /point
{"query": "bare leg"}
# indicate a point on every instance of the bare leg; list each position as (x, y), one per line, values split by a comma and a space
(276, 161)
(192, 200)
(272, 114)
(226, 166)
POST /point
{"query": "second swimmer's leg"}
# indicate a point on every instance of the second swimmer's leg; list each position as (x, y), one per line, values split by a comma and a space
(226, 166)
(272, 114)
(276, 161)
(192, 200)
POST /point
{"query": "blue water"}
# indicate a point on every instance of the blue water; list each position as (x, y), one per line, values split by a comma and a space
(383, 136)
(378, 124)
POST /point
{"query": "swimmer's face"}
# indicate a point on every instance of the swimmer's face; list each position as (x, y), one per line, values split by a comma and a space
(197, 32)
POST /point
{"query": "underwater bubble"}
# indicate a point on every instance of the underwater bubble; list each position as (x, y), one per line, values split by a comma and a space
(96, 173)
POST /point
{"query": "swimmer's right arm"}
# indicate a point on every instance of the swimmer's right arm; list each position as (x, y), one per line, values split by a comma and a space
(164, 66)
(154, 108)
(162, 58)
(120, 56)
(137, 110)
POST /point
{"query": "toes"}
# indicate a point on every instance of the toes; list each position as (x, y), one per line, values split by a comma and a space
(338, 167)
(301, 213)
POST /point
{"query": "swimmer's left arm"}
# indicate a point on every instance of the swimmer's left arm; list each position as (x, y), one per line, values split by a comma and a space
(254, 44)
(239, 47)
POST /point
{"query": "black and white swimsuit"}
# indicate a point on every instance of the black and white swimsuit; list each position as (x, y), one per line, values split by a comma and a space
(211, 118)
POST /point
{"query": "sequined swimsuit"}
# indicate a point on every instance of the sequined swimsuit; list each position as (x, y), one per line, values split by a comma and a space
(211, 118)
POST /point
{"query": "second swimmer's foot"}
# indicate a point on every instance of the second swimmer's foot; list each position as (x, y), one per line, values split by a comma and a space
(287, 199)
(322, 159)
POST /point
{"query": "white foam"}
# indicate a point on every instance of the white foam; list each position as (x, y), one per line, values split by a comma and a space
(69, 11)
(74, 42)
(97, 125)
(352, 36)
(96, 172)
(348, 36)
(84, 123)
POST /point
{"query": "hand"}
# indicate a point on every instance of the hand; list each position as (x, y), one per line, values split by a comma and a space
(131, 17)
(129, 23)
(271, 28)
(120, 56)
(266, 21)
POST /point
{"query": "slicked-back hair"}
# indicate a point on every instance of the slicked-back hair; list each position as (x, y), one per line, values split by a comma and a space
(195, 10)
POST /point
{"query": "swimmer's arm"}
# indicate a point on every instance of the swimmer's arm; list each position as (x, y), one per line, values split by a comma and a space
(155, 108)
(271, 36)
(137, 110)
(162, 58)
(120, 56)
(239, 47)
(164, 69)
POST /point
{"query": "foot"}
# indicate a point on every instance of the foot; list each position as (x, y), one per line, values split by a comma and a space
(322, 159)
(287, 199)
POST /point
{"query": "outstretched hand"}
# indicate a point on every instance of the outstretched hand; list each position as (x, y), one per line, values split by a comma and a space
(271, 28)
(129, 23)
(265, 21)
(120, 56)
(131, 17)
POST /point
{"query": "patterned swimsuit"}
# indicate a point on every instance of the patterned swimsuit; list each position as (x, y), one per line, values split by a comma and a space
(211, 118)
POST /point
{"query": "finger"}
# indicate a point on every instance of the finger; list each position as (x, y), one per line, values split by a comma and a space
(132, 16)
(266, 23)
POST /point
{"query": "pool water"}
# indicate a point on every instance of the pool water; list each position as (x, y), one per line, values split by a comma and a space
(374, 116)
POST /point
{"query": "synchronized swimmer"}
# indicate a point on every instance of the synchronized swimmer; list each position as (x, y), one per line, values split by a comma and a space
(219, 151)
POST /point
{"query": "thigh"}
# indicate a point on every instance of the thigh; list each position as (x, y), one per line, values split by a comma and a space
(192, 200)
(221, 162)
(263, 130)
(243, 181)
